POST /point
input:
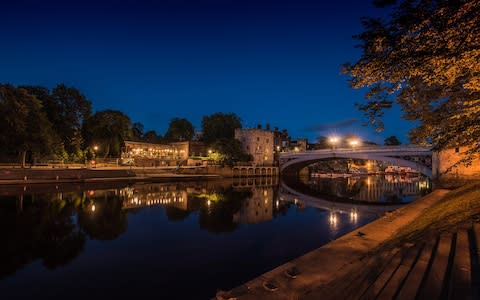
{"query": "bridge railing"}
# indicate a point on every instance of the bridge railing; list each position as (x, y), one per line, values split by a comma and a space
(385, 149)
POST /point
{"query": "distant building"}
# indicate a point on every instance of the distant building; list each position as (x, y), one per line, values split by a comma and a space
(445, 159)
(156, 155)
(299, 145)
(257, 142)
(281, 140)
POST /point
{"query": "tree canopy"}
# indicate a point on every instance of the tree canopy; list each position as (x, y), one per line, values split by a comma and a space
(66, 109)
(108, 129)
(24, 126)
(220, 126)
(392, 141)
(424, 57)
(179, 129)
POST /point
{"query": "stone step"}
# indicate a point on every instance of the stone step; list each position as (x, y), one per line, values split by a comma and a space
(432, 287)
(461, 275)
(395, 283)
(412, 283)
(364, 276)
(370, 277)
(377, 286)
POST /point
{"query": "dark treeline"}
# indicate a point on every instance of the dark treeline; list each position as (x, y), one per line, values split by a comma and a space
(39, 124)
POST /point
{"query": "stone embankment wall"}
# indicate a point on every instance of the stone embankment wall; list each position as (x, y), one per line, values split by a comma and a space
(60, 174)
(443, 160)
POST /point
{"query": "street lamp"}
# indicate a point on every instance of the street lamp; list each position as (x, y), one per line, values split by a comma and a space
(334, 141)
(354, 143)
(95, 148)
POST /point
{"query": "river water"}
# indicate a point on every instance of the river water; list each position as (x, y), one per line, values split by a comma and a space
(178, 240)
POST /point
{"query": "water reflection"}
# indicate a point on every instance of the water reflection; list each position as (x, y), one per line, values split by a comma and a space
(250, 225)
(373, 189)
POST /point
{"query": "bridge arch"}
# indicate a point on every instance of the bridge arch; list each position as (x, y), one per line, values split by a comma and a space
(392, 155)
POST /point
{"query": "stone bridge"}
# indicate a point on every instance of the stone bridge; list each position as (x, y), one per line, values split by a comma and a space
(396, 155)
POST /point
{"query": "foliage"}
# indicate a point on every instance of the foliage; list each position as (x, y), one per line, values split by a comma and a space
(179, 130)
(322, 143)
(66, 108)
(220, 126)
(229, 151)
(425, 57)
(24, 126)
(137, 131)
(392, 141)
(108, 130)
(152, 137)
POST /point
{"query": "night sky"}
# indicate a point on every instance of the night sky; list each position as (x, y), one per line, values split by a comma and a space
(274, 61)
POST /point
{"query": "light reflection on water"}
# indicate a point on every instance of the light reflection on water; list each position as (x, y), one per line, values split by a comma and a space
(158, 238)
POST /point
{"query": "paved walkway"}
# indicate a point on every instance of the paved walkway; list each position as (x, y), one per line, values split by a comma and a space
(317, 274)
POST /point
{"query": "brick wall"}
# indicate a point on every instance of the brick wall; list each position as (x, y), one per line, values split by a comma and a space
(445, 159)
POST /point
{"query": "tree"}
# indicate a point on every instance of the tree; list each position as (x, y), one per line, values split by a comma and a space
(66, 108)
(392, 141)
(322, 143)
(151, 136)
(137, 131)
(220, 126)
(179, 130)
(229, 151)
(24, 126)
(108, 129)
(67, 113)
(425, 58)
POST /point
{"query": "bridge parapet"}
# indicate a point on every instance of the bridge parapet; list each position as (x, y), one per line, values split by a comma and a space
(392, 154)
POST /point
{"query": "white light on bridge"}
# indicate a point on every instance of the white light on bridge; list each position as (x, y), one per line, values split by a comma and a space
(334, 140)
(354, 143)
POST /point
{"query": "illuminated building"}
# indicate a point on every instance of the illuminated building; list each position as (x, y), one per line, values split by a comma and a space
(154, 155)
(258, 143)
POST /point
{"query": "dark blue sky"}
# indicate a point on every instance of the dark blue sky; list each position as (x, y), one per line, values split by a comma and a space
(274, 61)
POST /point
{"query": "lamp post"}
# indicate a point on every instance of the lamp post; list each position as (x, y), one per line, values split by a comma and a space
(334, 141)
(95, 148)
(354, 143)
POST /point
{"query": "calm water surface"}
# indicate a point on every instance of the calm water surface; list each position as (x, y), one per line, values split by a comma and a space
(178, 240)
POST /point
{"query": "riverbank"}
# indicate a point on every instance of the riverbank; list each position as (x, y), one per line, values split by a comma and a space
(22, 176)
(80, 173)
(343, 268)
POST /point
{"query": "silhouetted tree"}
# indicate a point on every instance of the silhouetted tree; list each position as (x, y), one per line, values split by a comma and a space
(179, 129)
(220, 126)
(152, 137)
(229, 151)
(66, 108)
(70, 109)
(425, 58)
(109, 129)
(137, 131)
(392, 141)
(24, 125)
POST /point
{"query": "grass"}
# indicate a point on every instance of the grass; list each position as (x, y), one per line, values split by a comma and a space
(458, 207)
